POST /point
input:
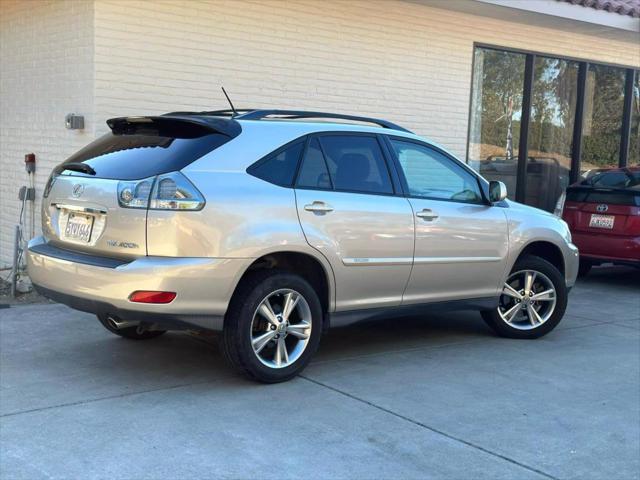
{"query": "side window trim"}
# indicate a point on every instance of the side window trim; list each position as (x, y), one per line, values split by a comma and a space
(326, 164)
(389, 158)
(309, 139)
(403, 179)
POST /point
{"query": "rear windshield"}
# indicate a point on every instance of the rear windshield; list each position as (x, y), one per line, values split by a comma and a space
(144, 153)
(615, 179)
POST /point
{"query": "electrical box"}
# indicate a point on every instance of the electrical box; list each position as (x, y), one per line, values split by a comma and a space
(74, 122)
(27, 193)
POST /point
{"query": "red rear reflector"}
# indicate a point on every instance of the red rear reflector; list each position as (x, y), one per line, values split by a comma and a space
(145, 296)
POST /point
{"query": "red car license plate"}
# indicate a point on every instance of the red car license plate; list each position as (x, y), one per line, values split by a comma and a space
(601, 221)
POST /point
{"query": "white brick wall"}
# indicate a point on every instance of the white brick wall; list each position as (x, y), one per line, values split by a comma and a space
(404, 61)
(46, 71)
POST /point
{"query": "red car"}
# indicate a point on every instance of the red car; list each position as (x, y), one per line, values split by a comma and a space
(603, 213)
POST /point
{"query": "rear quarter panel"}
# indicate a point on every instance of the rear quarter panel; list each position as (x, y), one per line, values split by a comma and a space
(244, 217)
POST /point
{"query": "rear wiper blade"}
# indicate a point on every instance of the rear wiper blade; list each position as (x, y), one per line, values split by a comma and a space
(79, 167)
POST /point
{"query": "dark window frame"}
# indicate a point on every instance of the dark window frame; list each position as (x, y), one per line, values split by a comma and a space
(311, 138)
(576, 153)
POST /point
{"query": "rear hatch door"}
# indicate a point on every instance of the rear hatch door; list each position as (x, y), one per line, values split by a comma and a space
(84, 208)
(613, 209)
(82, 214)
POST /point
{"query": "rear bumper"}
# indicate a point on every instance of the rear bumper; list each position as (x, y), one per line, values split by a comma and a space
(608, 248)
(203, 285)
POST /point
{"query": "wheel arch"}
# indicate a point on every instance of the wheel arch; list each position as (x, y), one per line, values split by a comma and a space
(546, 250)
(311, 267)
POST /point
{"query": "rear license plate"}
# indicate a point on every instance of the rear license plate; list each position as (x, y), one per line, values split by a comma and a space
(601, 221)
(79, 227)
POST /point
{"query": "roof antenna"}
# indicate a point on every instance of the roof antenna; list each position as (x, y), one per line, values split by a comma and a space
(235, 113)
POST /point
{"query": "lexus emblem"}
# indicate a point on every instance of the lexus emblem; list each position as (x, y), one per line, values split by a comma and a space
(602, 208)
(77, 190)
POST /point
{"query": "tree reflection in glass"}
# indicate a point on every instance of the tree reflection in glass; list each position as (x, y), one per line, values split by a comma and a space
(496, 109)
(602, 124)
(553, 108)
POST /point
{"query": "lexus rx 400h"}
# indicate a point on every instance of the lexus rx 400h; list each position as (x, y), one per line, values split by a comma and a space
(272, 226)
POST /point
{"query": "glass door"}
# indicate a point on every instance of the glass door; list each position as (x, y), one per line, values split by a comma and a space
(496, 110)
(550, 135)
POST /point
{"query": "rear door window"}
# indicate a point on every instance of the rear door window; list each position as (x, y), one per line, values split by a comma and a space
(356, 163)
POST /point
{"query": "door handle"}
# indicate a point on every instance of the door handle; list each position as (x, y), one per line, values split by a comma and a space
(318, 207)
(427, 214)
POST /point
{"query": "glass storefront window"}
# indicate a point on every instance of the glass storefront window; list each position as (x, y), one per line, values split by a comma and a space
(553, 109)
(498, 93)
(496, 109)
(634, 137)
(602, 122)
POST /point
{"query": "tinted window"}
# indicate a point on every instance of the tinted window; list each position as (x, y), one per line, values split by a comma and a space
(280, 167)
(356, 163)
(430, 174)
(620, 197)
(313, 172)
(616, 179)
(144, 153)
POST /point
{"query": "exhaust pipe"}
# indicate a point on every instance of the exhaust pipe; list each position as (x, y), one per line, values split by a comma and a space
(118, 324)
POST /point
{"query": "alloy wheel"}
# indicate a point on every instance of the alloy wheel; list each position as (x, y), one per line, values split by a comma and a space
(281, 328)
(528, 300)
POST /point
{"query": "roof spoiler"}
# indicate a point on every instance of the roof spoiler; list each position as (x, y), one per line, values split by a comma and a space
(225, 126)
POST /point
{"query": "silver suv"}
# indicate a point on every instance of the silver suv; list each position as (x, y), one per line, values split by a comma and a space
(273, 225)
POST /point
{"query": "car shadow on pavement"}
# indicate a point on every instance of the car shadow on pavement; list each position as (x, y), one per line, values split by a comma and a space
(74, 350)
(75, 360)
(612, 276)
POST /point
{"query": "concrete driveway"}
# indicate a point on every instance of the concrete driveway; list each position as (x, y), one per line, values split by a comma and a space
(436, 397)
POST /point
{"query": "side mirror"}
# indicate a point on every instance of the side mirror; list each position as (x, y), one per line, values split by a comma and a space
(497, 191)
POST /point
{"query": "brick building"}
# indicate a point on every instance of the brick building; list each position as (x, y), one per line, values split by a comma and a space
(532, 92)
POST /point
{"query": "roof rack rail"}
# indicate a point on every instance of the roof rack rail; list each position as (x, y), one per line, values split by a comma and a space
(298, 114)
(218, 113)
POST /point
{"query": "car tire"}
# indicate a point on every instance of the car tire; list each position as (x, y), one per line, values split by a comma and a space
(521, 326)
(584, 268)
(252, 342)
(131, 333)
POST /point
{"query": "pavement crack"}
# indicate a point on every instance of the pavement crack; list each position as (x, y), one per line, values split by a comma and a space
(432, 429)
(109, 397)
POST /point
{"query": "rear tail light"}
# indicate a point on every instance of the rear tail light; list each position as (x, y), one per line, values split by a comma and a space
(560, 205)
(135, 194)
(148, 296)
(171, 191)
